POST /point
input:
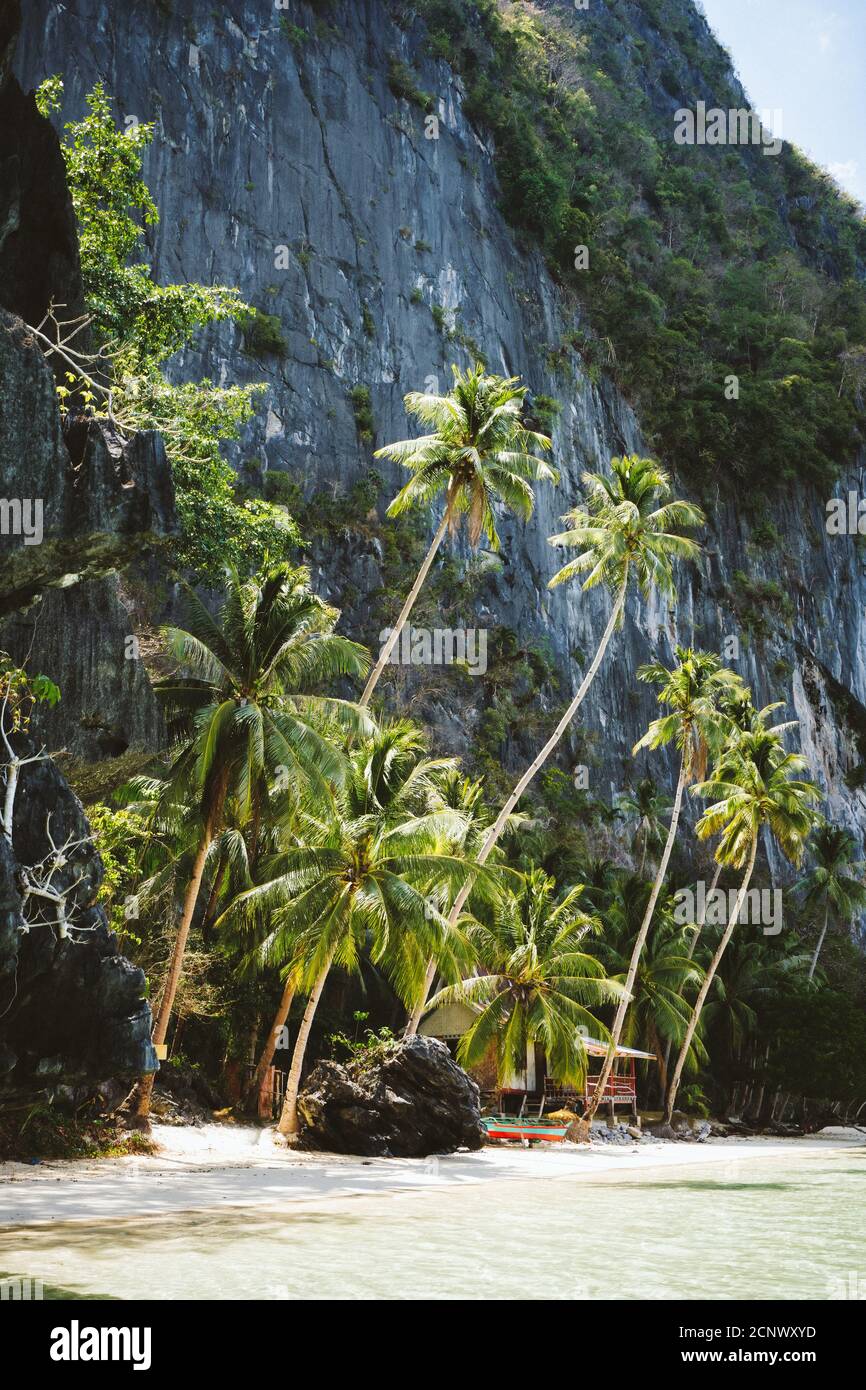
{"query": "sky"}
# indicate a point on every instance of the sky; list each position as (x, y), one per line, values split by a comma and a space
(806, 58)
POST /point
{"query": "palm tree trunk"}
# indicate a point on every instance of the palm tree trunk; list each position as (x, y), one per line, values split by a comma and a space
(415, 1016)
(693, 943)
(289, 1118)
(172, 981)
(257, 1081)
(813, 967)
(705, 986)
(625, 1000)
(373, 678)
(497, 828)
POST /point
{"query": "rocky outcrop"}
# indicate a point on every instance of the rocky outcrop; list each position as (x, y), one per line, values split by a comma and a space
(407, 1100)
(38, 244)
(78, 501)
(74, 1022)
(89, 499)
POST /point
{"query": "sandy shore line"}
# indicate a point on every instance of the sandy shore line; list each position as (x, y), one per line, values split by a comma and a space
(217, 1167)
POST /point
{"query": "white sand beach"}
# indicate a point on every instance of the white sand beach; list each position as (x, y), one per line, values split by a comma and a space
(215, 1167)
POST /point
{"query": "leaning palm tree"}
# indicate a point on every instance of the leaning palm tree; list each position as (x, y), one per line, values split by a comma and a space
(753, 786)
(240, 706)
(659, 1012)
(629, 527)
(479, 452)
(835, 882)
(691, 692)
(365, 877)
(534, 981)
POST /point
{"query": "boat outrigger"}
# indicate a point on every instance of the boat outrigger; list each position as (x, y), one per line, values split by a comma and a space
(516, 1128)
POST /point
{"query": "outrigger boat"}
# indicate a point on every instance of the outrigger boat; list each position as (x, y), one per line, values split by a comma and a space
(520, 1128)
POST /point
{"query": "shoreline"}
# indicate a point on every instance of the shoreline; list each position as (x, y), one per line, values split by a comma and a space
(217, 1168)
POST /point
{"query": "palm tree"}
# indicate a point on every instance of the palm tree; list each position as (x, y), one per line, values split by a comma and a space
(534, 982)
(364, 877)
(753, 786)
(239, 707)
(831, 882)
(479, 452)
(659, 1012)
(650, 807)
(626, 529)
(691, 691)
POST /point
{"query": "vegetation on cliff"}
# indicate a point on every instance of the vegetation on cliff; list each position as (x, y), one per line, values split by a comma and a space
(704, 263)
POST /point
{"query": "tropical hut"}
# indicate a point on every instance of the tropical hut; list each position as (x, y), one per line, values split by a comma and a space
(534, 1089)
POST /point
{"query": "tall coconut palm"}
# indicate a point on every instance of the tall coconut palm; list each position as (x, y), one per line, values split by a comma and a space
(694, 723)
(364, 877)
(650, 807)
(659, 1012)
(479, 452)
(628, 528)
(239, 709)
(534, 981)
(835, 882)
(753, 786)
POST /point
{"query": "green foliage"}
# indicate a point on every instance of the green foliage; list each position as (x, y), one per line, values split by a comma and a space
(362, 408)
(20, 693)
(404, 84)
(293, 32)
(704, 262)
(757, 601)
(263, 334)
(138, 325)
(119, 834)
(368, 1049)
(546, 410)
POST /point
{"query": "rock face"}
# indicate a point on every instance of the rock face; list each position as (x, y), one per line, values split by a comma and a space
(289, 168)
(38, 245)
(73, 1019)
(411, 1101)
(90, 500)
(77, 502)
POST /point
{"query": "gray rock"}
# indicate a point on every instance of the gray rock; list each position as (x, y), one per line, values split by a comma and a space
(261, 143)
(407, 1101)
(103, 498)
(72, 1012)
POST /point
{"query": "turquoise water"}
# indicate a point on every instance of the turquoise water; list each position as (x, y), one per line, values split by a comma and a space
(763, 1228)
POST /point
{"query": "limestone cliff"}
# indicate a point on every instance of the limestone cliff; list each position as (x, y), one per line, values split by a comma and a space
(73, 1018)
(285, 164)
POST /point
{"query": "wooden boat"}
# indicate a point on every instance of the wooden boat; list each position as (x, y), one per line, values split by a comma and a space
(518, 1127)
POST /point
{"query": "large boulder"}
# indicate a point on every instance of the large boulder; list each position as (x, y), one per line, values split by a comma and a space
(74, 1020)
(404, 1100)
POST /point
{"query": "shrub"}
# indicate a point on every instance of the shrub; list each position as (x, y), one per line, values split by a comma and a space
(362, 408)
(263, 335)
(404, 85)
